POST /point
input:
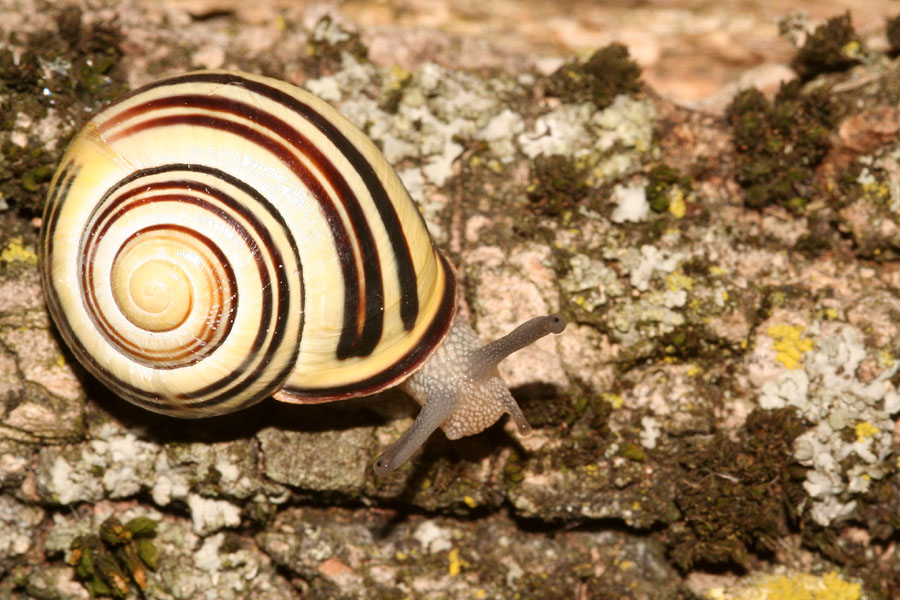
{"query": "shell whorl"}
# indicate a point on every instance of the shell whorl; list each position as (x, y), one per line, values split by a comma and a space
(215, 238)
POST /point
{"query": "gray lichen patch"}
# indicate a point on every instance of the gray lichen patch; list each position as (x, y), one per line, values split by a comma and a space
(852, 415)
(331, 460)
(430, 109)
(116, 467)
(18, 530)
(872, 203)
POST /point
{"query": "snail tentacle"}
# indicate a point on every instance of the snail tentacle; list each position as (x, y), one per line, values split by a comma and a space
(442, 402)
(486, 358)
(460, 389)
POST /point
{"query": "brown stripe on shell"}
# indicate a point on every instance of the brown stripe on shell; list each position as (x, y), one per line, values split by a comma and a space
(364, 295)
(436, 332)
(409, 305)
(243, 375)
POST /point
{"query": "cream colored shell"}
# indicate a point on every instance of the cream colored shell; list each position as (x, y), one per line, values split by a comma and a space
(215, 238)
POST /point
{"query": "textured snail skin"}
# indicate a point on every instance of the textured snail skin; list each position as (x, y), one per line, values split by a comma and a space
(460, 389)
(215, 238)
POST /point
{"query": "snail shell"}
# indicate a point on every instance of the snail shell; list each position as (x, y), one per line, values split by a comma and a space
(215, 238)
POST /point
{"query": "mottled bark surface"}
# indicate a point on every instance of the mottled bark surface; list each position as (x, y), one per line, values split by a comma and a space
(718, 420)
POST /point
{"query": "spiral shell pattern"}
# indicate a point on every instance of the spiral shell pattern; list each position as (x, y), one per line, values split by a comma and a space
(215, 238)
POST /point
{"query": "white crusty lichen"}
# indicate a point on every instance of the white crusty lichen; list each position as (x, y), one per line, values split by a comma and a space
(611, 139)
(641, 265)
(634, 318)
(116, 466)
(590, 282)
(658, 309)
(18, 528)
(631, 204)
(208, 514)
(651, 429)
(436, 107)
(850, 440)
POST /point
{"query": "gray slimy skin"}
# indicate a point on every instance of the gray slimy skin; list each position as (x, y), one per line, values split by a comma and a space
(460, 389)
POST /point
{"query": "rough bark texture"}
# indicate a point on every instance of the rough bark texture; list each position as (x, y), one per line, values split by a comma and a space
(719, 419)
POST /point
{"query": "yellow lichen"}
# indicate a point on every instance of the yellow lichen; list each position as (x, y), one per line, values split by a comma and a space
(455, 562)
(865, 430)
(16, 252)
(614, 400)
(677, 207)
(470, 501)
(796, 586)
(694, 371)
(679, 281)
(852, 49)
(789, 344)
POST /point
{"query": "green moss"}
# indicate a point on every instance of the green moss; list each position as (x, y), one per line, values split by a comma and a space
(119, 556)
(833, 47)
(633, 452)
(25, 174)
(556, 185)
(691, 342)
(820, 239)
(661, 180)
(738, 497)
(606, 74)
(779, 144)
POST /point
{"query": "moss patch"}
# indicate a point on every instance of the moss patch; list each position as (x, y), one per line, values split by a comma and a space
(665, 187)
(737, 497)
(109, 563)
(832, 47)
(327, 46)
(556, 185)
(606, 74)
(780, 143)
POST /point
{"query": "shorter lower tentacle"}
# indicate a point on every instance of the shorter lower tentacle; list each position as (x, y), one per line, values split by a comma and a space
(441, 403)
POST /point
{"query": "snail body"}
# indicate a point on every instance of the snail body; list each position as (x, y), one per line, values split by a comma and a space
(215, 238)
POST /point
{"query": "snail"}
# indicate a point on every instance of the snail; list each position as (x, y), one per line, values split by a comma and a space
(215, 238)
